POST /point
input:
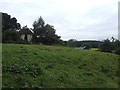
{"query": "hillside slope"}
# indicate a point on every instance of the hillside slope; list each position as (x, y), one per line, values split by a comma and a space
(53, 66)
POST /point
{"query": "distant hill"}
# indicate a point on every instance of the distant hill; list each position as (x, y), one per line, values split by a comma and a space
(93, 43)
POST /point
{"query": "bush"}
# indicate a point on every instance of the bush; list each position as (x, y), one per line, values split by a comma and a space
(117, 51)
(71, 43)
(106, 46)
(10, 36)
(87, 46)
(22, 42)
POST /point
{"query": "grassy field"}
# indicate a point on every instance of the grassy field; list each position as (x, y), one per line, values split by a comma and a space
(58, 67)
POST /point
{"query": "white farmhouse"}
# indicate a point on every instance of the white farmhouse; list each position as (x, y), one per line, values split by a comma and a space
(26, 34)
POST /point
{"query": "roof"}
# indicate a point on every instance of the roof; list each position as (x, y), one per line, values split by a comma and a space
(26, 30)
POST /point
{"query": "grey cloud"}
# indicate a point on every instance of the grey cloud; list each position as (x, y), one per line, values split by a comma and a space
(98, 22)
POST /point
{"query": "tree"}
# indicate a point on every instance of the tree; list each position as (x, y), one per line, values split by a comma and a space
(38, 23)
(10, 36)
(9, 23)
(49, 29)
(113, 46)
(44, 33)
(71, 43)
(9, 27)
(106, 46)
(117, 47)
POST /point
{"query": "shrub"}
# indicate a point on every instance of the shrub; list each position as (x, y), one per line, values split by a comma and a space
(106, 46)
(117, 51)
(10, 36)
(87, 46)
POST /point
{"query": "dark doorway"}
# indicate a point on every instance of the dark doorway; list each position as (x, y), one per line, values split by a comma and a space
(25, 37)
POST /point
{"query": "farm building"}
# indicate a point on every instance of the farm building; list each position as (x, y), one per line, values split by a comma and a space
(26, 34)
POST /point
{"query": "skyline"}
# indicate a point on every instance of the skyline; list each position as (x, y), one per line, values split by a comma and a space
(72, 19)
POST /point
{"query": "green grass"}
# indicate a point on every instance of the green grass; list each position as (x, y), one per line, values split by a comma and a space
(58, 67)
(94, 49)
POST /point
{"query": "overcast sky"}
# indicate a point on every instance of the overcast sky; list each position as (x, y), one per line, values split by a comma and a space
(72, 19)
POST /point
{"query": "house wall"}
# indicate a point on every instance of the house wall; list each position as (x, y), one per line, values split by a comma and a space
(29, 38)
(22, 36)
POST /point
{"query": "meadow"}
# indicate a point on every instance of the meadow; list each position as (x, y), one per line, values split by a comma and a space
(42, 66)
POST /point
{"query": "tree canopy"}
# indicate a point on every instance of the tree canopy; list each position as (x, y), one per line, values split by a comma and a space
(38, 23)
(112, 45)
(9, 22)
(44, 33)
(9, 27)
